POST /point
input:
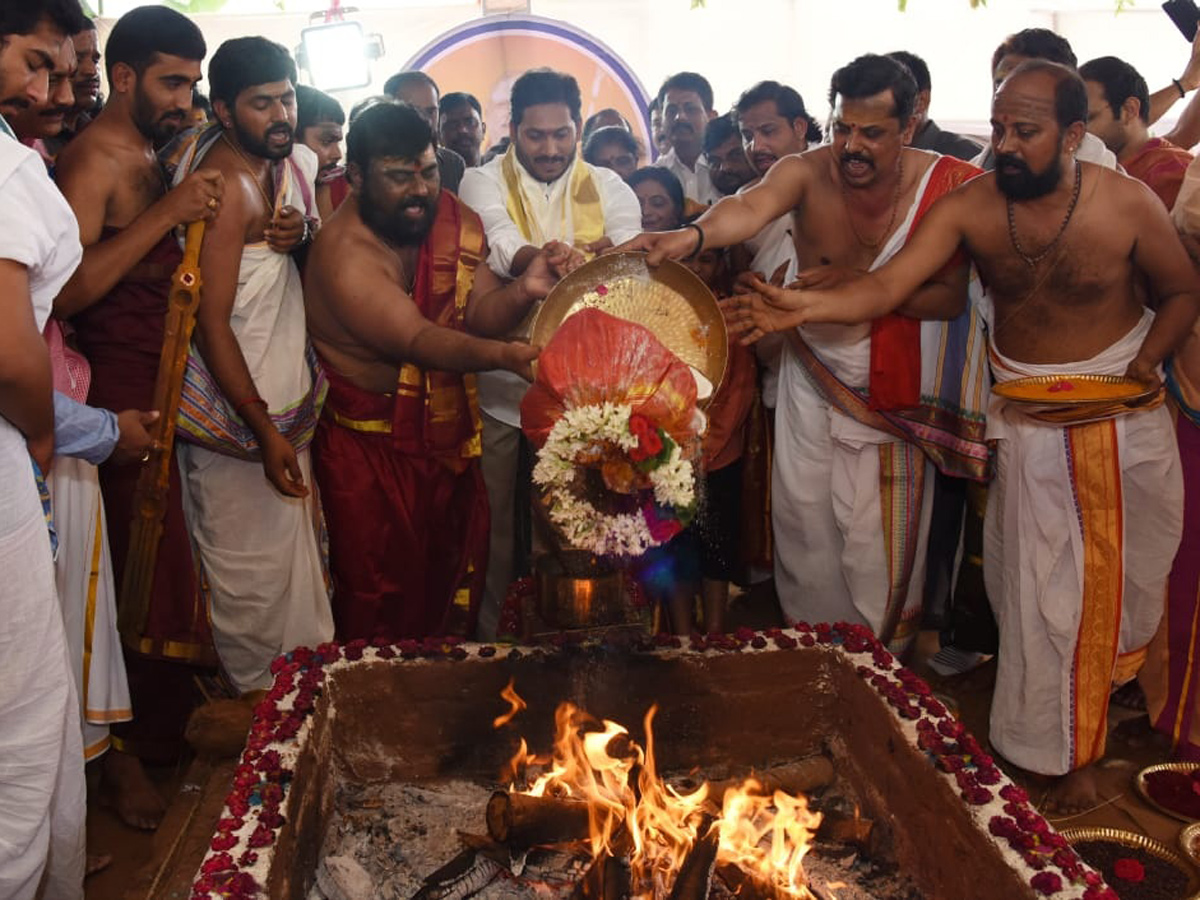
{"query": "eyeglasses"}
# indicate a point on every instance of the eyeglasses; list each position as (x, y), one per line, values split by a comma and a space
(623, 161)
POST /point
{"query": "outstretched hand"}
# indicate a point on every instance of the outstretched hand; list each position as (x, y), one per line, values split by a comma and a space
(562, 257)
(660, 245)
(752, 317)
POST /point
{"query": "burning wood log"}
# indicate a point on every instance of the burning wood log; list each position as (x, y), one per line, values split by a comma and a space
(522, 820)
(467, 874)
(607, 878)
(746, 884)
(800, 777)
(696, 871)
(843, 829)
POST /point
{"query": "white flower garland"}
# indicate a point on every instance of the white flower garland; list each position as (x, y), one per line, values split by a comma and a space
(588, 427)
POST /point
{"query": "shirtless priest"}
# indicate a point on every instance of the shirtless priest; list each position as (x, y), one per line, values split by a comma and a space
(399, 306)
(1083, 520)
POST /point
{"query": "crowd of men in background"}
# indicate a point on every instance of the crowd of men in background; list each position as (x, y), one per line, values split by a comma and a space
(349, 462)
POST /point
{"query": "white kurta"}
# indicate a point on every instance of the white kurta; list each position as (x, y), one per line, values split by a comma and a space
(773, 247)
(258, 550)
(42, 793)
(832, 556)
(500, 392)
(1035, 548)
(697, 182)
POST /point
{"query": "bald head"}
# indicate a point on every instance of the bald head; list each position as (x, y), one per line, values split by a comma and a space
(1047, 89)
(1038, 120)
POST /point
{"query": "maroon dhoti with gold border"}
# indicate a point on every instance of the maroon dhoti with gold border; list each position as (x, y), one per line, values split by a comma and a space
(399, 472)
(408, 534)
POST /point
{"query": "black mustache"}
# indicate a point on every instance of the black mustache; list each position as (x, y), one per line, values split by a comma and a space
(854, 157)
(1005, 160)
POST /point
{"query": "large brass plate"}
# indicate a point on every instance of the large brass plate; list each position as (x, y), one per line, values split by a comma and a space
(668, 299)
(1074, 390)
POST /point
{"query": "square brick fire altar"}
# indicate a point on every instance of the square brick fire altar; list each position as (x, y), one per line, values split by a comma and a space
(416, 712)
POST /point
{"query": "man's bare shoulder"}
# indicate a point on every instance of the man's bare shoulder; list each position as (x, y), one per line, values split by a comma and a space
(346, 245)
(1130, 194)
(96, 152)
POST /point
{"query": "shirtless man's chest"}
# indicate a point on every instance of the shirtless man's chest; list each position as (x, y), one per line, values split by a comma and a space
(1058, 294)
(830, 228)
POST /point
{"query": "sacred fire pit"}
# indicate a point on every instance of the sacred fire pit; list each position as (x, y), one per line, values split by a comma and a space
(348, 730)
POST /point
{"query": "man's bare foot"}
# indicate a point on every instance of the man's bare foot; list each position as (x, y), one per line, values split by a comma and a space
(1073, 793)
(127, 789)
(96, 862)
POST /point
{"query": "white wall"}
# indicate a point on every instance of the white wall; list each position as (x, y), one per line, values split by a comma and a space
(737, 42)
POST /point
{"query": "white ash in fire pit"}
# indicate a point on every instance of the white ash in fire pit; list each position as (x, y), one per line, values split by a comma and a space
(400, 834)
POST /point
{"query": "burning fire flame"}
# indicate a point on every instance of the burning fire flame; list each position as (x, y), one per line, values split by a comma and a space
(634, 814)
(516, 704)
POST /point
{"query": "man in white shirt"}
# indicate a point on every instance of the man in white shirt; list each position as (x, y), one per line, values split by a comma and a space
(686, 99)
(41, 749)
(774, 123)
(538, 196)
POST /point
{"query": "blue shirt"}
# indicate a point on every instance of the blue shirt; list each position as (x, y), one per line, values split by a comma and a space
(84, 432)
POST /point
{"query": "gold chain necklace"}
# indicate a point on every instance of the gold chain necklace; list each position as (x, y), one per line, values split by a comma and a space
(249, 168)
(1032, 259)
(873, 246)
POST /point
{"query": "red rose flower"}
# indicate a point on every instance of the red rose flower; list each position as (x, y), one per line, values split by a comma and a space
(223, 842)
(1046, 883)
(649, 441)
(1128, 869)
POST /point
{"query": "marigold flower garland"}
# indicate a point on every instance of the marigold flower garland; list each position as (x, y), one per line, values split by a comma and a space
(604, 429)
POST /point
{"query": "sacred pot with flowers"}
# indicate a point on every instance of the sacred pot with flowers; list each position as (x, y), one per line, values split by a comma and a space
(613, 416)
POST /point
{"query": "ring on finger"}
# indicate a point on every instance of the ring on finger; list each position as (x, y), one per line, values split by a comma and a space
(146, 455)
(212, 203)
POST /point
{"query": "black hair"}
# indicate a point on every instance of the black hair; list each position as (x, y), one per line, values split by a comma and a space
(1036, 43)
(366, 103)
(1070, 93)
(24, 16)
(592, 122)
(872, 74)
(610, 134)
(916, 67)
(89, 24)
(143, 33)
(788, 103)
(314, 107)
(392, 86)
(688, 81)
(199, 99)
(718, 130)
(1120, 81)
(459, 98)
(655, 104)
(539, 86)
(243, 62)
(664, 177)
(387, 129)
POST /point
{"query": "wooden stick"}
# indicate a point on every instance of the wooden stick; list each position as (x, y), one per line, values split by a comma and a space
(746, 884)
(522, 820)
(800, 777)
(150, 495)
(607, 878)
(696, 871)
